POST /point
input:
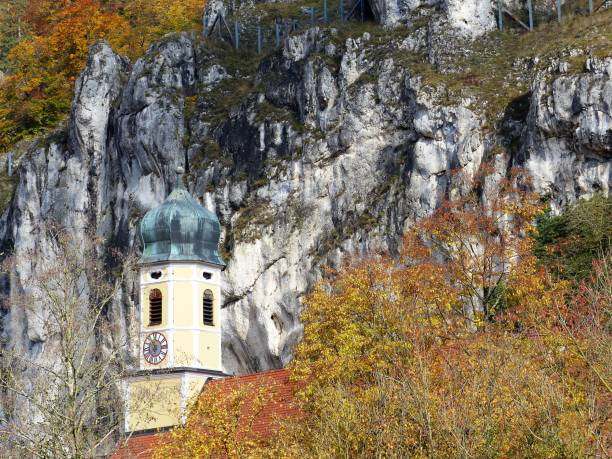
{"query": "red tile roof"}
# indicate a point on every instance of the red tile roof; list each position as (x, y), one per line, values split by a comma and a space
(280, 405)
(139, 446)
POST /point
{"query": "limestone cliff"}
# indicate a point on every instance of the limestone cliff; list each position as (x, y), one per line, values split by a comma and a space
(333, 145)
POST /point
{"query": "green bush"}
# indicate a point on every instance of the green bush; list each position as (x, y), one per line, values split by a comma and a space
(568, 243)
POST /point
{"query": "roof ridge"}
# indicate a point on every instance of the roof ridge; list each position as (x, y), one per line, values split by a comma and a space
(259, 373)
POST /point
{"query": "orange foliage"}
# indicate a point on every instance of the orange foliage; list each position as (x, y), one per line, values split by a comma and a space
(41, 14)
(151, 19)
(75, 28)
(466, 349)
(475, 255)
(36, 92)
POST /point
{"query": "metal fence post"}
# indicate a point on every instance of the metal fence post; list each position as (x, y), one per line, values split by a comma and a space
(325, 11)
(361, 6)
(312, 14)
(277, 31)
(590, 6)
(258, 39)
(530, 8)
(205, 25)
(236, 34)
(500, 15)
(9, 164)
(341, 10)
(559, 10)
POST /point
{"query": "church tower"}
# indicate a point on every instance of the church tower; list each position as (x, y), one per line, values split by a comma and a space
(180, 298)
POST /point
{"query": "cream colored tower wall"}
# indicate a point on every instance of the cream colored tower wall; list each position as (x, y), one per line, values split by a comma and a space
(153, 402)
(191, 343)
(160, 400)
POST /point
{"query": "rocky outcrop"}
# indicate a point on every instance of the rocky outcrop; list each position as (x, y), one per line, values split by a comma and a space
(65, 180)
(567, 140)
(329, 149)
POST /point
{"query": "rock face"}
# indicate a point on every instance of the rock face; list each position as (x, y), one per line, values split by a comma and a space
(329, 152)
(467, 18)
(567, 143)
(67, 181)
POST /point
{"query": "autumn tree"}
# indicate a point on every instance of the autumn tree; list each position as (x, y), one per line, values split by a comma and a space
(459, 267)
(578, 337)
(461, 350)
(151, 19)
(41, 68)
(220, 424)
(479, 253)
(13, 27)
(62, 398)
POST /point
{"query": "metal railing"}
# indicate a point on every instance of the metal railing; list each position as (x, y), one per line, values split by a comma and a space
(270, 34)
(543, 11)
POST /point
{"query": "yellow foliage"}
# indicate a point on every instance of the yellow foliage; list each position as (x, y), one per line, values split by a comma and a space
(395, 365)
(151, 19)
(220, 425)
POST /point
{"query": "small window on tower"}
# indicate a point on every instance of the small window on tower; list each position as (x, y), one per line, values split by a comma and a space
(155, 307)
(156, 274)
(206, 275)
(207, 308)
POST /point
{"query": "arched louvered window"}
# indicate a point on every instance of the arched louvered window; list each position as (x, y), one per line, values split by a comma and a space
(207, 308)
(155, 307)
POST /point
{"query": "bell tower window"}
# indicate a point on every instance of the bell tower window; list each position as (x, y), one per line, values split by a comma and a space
(207, 308)
(155, 307)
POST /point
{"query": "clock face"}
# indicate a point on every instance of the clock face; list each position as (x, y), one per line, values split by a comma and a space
(155, 348)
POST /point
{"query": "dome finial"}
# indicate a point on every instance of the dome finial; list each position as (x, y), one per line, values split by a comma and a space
(179, 176)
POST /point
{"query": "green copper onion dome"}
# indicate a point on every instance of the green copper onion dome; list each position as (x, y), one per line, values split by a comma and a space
(180, 230)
